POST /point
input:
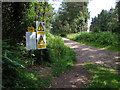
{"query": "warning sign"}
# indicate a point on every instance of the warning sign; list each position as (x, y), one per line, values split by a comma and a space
(41, 41)
(40, 28)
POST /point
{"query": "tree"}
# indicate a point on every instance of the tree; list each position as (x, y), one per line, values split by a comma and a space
(71, 14)
(17, 16)
(106, 21)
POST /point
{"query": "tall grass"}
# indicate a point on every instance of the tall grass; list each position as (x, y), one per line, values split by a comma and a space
(103, 39)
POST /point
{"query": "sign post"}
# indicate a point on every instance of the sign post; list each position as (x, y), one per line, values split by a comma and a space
(31, 41)
(41, 39)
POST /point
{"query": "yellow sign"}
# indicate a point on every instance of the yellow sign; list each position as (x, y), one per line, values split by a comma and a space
(41, 46)
(38, 32)
(30, 29)
(41, 41)
(40, 27)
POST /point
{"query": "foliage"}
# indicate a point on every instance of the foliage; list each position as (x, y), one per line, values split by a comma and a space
(16, 59)
(70, 18)
(14, 73)
(61, 56)
(103, 77)
(12, 26)
(102, 39)
(18, 16)
(106, 21)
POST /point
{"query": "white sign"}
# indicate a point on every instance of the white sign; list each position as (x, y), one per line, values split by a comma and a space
(30, 40)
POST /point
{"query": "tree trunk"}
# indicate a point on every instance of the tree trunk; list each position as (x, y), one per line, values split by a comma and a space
(83, 11)
(83, 15)
(119, 14)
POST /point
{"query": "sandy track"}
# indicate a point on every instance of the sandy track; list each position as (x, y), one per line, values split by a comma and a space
(77, 76)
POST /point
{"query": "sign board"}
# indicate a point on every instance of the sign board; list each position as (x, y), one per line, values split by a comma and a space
(30, 29)
(30, 40)
(41, 39)
(40, 26)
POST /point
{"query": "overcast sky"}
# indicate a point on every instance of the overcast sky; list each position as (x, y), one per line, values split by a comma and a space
(95, 6)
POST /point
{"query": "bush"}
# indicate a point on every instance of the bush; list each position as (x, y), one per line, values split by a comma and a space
(102, 39)
(61, 56)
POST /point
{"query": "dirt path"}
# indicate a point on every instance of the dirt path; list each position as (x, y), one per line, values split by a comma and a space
(77, 77)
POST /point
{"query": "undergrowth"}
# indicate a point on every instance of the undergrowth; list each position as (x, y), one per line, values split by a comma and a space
(61, 56)
(14, 72)
(104, 40)
(16, 59)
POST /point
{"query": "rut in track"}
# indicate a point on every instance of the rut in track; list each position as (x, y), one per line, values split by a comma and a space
(77, 77)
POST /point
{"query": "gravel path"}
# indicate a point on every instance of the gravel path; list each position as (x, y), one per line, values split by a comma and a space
(77, 76)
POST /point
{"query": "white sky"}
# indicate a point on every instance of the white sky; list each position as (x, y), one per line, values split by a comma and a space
(95, 7)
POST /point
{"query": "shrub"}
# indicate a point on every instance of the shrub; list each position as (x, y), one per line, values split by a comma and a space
(61, 56)
(102, 38)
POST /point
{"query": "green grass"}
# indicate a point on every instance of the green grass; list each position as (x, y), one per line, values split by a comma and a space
(104, 40)
(103, 77)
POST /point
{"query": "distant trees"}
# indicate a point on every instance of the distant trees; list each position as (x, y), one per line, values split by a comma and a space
(70, 18)
(106, 21)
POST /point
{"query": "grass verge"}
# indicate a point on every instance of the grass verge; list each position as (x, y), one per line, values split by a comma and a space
(104, 40)
(103, 77)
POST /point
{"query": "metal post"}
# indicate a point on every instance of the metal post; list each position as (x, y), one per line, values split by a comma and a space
(31, 58)
(41, 59)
